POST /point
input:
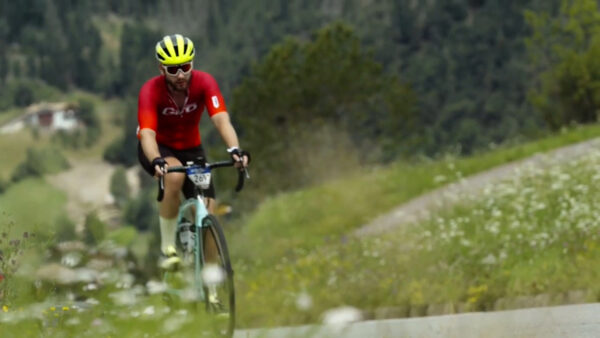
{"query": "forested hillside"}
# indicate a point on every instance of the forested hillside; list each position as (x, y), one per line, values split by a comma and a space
(432, 75)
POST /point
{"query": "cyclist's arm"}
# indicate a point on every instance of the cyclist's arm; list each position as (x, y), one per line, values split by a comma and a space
(223, 125)
(225, 128)
(149, 145)
(150, 148)
(147, 122)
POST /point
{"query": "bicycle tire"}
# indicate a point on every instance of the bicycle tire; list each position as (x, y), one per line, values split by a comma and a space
(226, 288)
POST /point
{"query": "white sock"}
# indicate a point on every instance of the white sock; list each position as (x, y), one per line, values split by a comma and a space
(167, 232)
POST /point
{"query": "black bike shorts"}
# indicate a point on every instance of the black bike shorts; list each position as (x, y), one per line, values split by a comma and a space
(183, 156)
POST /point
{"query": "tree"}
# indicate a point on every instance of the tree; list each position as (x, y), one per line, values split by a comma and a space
(565, 50)
(124, 150)
(137, 61)
(325, 85)
(23, 95)
(87, 115)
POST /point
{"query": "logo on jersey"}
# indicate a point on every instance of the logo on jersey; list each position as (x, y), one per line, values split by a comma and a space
(215, 101)
(170, 111)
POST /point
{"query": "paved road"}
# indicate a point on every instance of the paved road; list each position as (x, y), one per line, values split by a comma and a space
(570, 321)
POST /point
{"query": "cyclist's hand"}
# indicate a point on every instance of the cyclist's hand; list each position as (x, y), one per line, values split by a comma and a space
(160, 166)
(241, 157)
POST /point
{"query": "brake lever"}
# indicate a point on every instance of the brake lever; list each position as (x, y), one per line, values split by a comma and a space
(161, 189)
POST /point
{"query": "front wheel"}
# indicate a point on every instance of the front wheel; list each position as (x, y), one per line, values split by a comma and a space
(217, 276)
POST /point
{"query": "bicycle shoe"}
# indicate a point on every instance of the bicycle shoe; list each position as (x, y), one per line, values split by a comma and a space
(169, 260)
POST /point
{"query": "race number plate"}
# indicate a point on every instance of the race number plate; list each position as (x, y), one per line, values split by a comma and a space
(200, 177)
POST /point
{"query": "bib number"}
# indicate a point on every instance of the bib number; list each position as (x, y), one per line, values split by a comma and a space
(200, 177)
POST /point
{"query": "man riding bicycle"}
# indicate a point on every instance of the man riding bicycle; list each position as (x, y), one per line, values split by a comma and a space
(169, 110)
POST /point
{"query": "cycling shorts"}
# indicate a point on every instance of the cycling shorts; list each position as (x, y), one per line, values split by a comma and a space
(183, 156)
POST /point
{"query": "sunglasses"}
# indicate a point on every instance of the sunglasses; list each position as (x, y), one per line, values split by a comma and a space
(174, 70)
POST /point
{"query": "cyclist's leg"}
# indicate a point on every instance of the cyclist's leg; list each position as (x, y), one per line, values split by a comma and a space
(210, 205)
(168, 208)
(173, 184)
(210, 246)
(191, 154)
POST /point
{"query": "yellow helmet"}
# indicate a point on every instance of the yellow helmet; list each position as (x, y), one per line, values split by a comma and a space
(174, 50)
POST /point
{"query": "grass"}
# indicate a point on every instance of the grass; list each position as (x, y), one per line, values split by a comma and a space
(10, 114)
(32, 205)
(307, 217)
(294, 259)
(301, 241)
(536, 234)
(14, 147)
(100, 316)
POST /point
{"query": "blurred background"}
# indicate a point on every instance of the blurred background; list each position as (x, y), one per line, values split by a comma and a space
(349, 108)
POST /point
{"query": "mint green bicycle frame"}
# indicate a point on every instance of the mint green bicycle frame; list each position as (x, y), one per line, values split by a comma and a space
(201, 213)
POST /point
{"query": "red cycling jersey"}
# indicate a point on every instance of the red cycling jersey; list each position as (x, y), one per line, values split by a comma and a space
(177, 127)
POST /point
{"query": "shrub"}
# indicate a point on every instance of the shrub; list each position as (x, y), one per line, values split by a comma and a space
(119, 187)
(39, 162)
(123, 236)
(94, 230)
(142, 212)
(65, 229)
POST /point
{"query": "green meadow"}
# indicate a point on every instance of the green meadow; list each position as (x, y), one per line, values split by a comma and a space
(295, 257)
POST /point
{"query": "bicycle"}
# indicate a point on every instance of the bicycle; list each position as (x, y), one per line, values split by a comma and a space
(211, 280)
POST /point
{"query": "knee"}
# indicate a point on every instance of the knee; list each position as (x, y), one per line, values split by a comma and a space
(174, 183)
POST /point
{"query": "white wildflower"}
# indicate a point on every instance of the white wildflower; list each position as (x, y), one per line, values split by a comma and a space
(304, 301)
(155, 287)
(439, 179)
(149, 311)
(73, 321)
(125, 281)
(71, 259)
(342, 315)
(564, 177)
(503, 255)
(174, 323)
(489, 260)
(213, 274)
(90, 287)
(125, 297)
(92, 301)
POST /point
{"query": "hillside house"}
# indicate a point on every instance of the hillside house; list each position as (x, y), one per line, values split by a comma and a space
(45, 116)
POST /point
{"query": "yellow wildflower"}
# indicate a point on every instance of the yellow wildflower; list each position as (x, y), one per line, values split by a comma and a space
(52, 308)
(65, 308)
(5, 308)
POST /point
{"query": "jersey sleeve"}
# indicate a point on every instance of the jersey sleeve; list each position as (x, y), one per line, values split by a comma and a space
(213, 99)
(147, 114)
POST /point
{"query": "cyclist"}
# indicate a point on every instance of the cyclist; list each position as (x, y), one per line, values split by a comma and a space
(169, 110)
